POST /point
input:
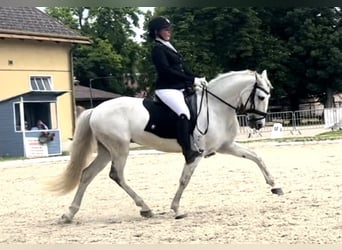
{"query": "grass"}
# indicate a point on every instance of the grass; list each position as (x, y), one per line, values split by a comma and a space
(10, 158)
(330, 135)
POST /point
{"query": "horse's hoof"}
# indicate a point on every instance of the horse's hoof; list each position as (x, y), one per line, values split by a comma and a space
(65, 219)
(146, 213)
(277, 191)
(180, 216)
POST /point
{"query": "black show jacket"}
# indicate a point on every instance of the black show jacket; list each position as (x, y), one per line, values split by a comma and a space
(171, 72)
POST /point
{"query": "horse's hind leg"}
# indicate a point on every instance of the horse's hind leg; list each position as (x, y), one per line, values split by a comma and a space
(117, 174)
(88, 174)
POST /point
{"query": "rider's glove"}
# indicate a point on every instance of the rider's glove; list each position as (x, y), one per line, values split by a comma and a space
(200, 82)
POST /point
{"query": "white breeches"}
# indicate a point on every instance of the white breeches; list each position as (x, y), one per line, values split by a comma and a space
(174, 99)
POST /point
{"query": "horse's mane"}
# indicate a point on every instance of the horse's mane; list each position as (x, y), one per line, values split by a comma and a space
(230, 73)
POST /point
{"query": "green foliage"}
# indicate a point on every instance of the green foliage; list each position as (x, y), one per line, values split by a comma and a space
(113, 54)
(336, 134)
(64, 15)
(99, 60)
(314, 40)
(299, 47)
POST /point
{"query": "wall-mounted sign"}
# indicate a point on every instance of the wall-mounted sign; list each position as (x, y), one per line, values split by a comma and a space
(34, 149)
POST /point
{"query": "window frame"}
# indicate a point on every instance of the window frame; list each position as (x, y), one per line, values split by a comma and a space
(45, 82)
(51, 117)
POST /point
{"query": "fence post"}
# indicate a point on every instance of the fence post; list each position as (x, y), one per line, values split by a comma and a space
(294, 124)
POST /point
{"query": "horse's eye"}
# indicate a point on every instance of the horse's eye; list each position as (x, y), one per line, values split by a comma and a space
(261, 98)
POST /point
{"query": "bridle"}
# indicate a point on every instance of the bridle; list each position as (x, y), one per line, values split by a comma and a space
(251, 99)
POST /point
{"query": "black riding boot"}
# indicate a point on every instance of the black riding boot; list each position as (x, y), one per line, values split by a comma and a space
(183, 138)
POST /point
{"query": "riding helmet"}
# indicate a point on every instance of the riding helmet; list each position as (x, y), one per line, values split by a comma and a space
(157, 24)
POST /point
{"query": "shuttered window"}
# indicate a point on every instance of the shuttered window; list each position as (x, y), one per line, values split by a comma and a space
(41, 83)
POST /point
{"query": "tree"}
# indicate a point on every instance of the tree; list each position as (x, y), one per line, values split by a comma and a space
(112, 53)
(314, 39)
(231, 39)
(299, 47)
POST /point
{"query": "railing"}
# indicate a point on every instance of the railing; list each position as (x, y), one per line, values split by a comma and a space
(333, 118)
(291, 121)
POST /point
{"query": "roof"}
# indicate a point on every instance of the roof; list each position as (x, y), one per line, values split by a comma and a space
(53, 93)
(83, 93)
(32, 23)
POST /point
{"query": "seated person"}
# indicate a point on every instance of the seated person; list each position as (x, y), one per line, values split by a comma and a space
(40, 126)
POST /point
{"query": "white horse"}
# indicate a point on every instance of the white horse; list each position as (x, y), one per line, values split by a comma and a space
(115, 123)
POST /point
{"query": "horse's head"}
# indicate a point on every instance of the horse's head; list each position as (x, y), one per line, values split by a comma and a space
(255, 99)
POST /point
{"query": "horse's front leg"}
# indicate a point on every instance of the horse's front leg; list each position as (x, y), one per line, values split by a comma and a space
(188, 170)
(240, 151)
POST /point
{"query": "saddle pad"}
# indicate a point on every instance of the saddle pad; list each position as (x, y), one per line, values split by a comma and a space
(163, 121)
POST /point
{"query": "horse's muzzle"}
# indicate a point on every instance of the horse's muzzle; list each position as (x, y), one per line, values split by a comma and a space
(256, 122)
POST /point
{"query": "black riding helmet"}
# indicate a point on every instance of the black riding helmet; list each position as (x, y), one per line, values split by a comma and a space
(157, 24)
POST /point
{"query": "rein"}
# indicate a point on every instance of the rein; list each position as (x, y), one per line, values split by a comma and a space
(251, 98)
(205, 92)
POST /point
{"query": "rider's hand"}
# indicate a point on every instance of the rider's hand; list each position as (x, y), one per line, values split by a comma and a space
(200, 82)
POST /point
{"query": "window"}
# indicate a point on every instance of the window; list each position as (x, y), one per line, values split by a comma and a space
(35, 111)
(41, 83)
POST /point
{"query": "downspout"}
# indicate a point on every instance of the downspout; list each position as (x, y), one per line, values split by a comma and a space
(73, 101)
(22, 124)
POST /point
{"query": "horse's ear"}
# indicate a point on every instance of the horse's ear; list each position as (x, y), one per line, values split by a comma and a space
(264, 74)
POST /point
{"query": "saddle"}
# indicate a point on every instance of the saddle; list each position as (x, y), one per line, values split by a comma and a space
(163, 120)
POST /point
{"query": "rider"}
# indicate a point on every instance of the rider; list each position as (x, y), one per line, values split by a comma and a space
(172, 78)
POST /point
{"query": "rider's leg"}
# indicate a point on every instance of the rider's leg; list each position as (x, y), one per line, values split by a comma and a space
(183, 138)
(175, 100)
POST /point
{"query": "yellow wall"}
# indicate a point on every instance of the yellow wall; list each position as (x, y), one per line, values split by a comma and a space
(36, 58)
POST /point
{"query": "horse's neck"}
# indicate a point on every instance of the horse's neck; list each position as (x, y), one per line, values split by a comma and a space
(216, 116)
(229, 87)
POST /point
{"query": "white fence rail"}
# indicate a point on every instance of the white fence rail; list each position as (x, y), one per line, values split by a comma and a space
(296, 121)
(333, 118)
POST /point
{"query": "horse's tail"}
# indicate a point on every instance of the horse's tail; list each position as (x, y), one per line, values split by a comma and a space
(81, 148)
